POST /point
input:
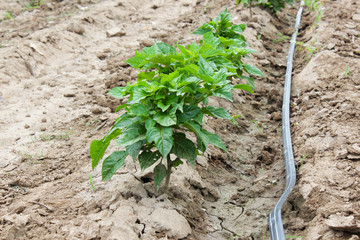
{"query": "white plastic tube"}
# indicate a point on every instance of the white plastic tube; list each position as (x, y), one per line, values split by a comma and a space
(274, 220)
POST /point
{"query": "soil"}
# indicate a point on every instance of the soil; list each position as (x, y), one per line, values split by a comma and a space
(58, 61)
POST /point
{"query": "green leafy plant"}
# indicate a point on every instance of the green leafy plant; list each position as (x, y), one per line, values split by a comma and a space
(8, 16)
(347, 72)
(258, 126)
(274, 5)
(310, 47)
(280, 38)
(298, 166)
(33, 4)
(170, 98)
(315, 5)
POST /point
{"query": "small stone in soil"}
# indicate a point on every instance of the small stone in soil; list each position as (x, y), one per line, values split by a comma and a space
(76, 28)
(26, 126)
(353, 157)
(43, 120)
(27, 115)
(69, 94)
(115, 32)
(43, 129)
(276, 116)
(96, 111)
(354, 149)
(101, 55)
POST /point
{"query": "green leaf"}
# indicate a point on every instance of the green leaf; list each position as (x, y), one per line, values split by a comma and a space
(221, 62)
(118, 92)
(218, 112)
(140, 58)
(136, 62)
(224, 92)
(147, 158)
(165, 118)
(164, 48)
(189, 89)
(139, 94)
(125, 121)
(187, 81)
(250, 81)
(132, 134)
(146, 75)
(121, 107)
(139, 109)
(224, 16)
(203, 29)
(160, 95)
(244, 87)
(220, 77)
(177, 162)
(207, 51)
(156, 60)
(239, 28)
(91, 181)
(184, 51)
(198, 118)
(246, 2)
(113, 163)
(149, 124)
(200, 144)
(180, 106)
(189, 112)
(190, 69)
(98, 147)
(244, 51)
(134, 149)
(169, 80)
(162, 106)
(215, 140)
(205, 68)
(194, 47)
(210, 41)
(162, 137)
(159, 175)
(184, 148)
(253, 70)
(97, 150)
(205, 136)
(196, 128)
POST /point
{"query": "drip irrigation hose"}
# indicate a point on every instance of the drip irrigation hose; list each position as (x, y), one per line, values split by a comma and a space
(274, 220)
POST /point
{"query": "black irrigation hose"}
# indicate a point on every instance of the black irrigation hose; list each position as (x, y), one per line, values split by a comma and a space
(275, 222)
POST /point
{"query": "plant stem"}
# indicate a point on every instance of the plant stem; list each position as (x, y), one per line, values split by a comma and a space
(251, 5)
(168, 173)
(206, 94)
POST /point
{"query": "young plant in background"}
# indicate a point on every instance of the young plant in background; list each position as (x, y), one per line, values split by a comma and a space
(8, 16)
(315, 5)
(33, 4)
(274, 5)
(170, 97)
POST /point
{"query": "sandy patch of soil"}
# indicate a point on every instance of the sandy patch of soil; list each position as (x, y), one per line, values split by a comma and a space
(325, 117)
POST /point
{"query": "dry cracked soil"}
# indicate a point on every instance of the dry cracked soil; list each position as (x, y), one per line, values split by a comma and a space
(58, 61)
